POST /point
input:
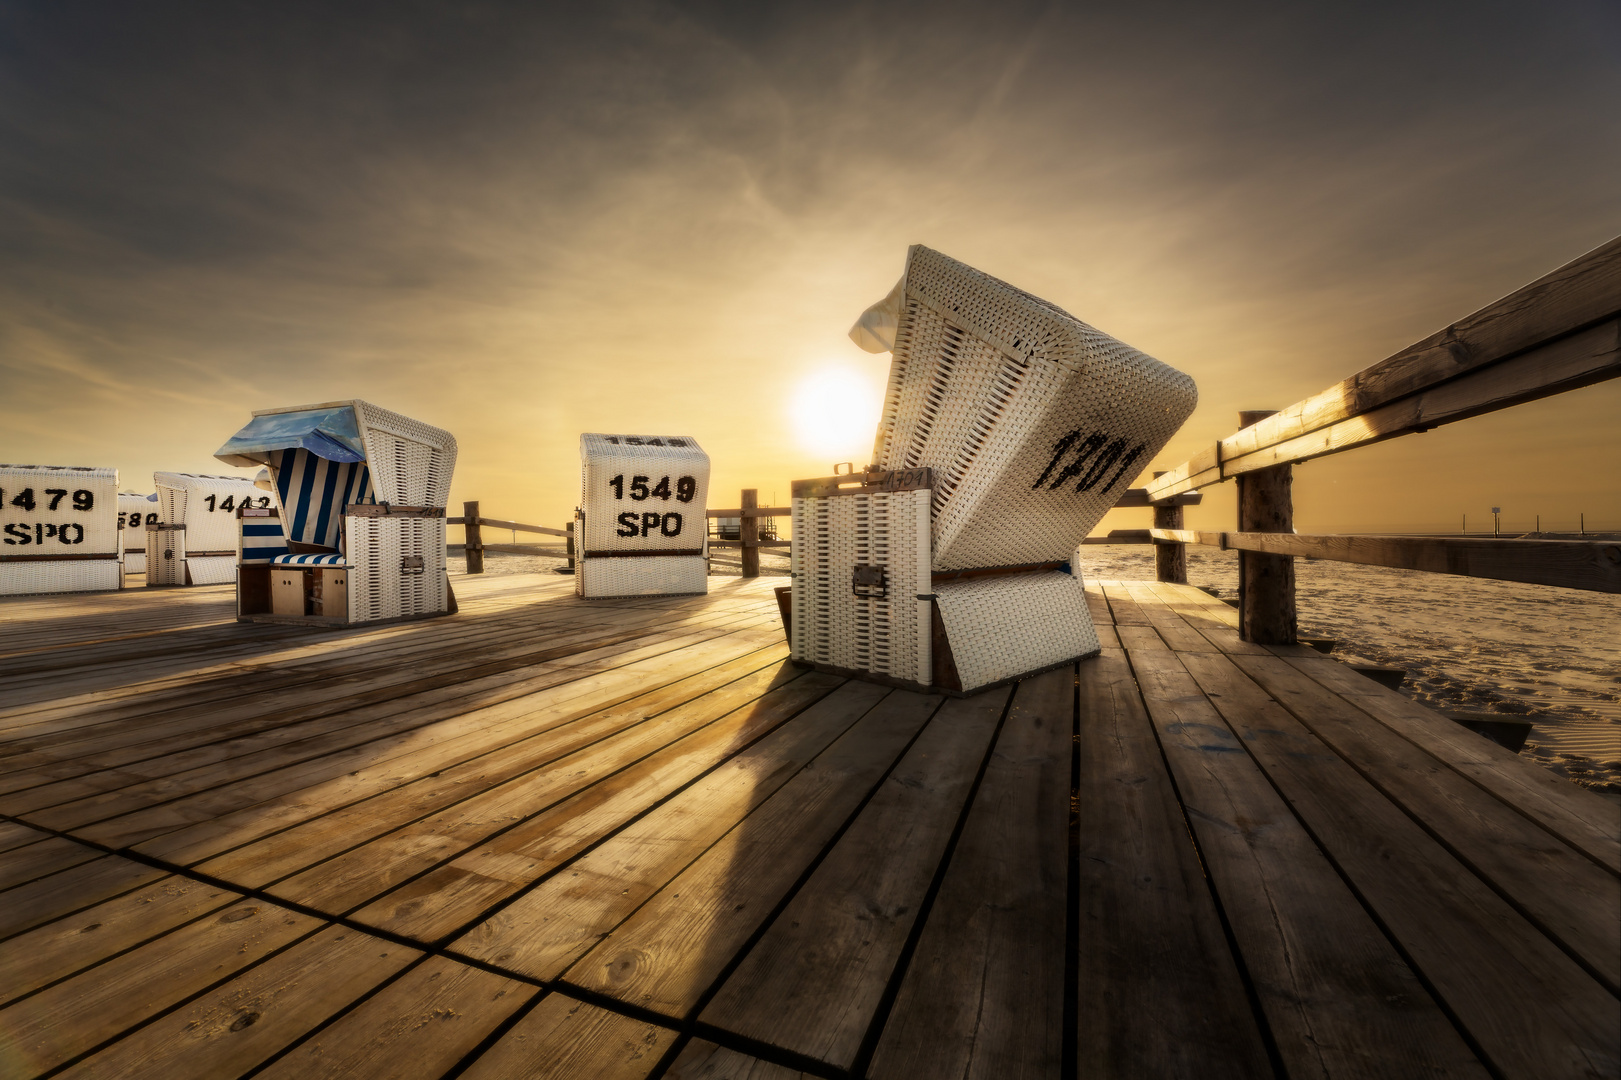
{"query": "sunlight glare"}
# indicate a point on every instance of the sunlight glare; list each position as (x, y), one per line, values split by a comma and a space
(835, 412)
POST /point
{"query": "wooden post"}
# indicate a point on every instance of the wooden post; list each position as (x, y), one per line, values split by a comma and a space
(1266, 583)
(475, 539)
(748, 531)
(569, 528)
(1170, 560)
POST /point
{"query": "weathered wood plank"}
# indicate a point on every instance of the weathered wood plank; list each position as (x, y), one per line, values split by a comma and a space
(58, 950)
(239, 1025)
(812, 984)
(646, 765)
(41, 858)
(1529, 1006)
(565, 1039)
(667, 955)
(983, 995)
(1159, 993)
(1337, 997)
(1578, 817)
(1568, 897)
(431, 1018)
(49, 898)
(1593, 565)
(703, 1060)
(70, 1018)
(1571, 299)
(602, 887)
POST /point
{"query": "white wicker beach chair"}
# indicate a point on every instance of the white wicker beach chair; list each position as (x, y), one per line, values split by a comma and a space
(360, 495)
(642, 528)
(59, 530)
(194, 539)
(1015, 427)
(135, 512)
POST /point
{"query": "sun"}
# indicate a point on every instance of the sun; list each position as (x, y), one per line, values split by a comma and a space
(835, 412)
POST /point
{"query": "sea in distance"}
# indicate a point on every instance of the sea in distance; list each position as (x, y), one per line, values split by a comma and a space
(1549, 655)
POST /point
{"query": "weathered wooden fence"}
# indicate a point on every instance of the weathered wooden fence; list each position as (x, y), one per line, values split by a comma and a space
(1559, 333)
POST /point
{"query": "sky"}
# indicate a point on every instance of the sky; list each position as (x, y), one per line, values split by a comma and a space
(524, 221)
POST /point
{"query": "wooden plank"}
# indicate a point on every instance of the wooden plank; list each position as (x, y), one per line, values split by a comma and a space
(1580, 818)
(1159, 993)
(334, 816)
(983, 995)
(703, 1060)
(73, 1017)
(67, 891)
(666, 956)
(1577, 296)
(1532, 1010)
(14, 834)
(657, 759)
(813, 983)
(41, 858)
(474, 546)
(1570, 363)
(1569, 898)
(516, 526)
(1338, 999)
(312, 721)
(564, 1039)
(1571, 564)
(1139, 498)
(603, 886)
(215, 819)
(431, 1017)
(55, 951)
(234, 1028)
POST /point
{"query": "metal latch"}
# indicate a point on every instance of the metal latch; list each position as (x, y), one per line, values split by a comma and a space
(412, 564)
(870, 582)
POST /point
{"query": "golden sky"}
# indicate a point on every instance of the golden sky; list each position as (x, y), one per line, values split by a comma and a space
(520, 222)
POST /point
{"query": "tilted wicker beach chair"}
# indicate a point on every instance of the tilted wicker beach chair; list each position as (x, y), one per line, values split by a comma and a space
(194, 541)
(59, 530)
(360, 495)
(1009, 428)
(642, 523)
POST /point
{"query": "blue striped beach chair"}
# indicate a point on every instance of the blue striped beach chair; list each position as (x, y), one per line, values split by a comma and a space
(360, 494)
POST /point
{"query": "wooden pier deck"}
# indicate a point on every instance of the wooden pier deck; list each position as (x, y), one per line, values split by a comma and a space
(555, 838)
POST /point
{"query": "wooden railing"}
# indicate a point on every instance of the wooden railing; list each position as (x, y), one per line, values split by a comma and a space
(749, 513)
(1559, 333)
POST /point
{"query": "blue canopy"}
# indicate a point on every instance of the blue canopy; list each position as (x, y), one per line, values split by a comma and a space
(333, 434)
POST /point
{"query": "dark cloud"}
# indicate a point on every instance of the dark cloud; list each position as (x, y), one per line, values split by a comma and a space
(527, 219)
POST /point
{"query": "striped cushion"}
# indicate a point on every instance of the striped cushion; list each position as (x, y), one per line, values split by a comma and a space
(333, 559)
(314, 491)
(262, 540)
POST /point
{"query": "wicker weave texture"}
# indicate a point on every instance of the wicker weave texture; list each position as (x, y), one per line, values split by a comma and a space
(1033, 421)
(48, 510)
(1004, 627)
(885, 635)
(411, 462)
(382, 585)
(655, 575)
(641, 493)
(206, 506)
(89, 575)
(133, 513)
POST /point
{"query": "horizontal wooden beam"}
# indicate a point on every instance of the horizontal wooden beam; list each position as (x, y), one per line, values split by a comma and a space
(1122, 536)
(1413, 390)
(516, 526)
(1138, 497)
(750, 543)
(1594, 566)
(513, 549)
(751, 512)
